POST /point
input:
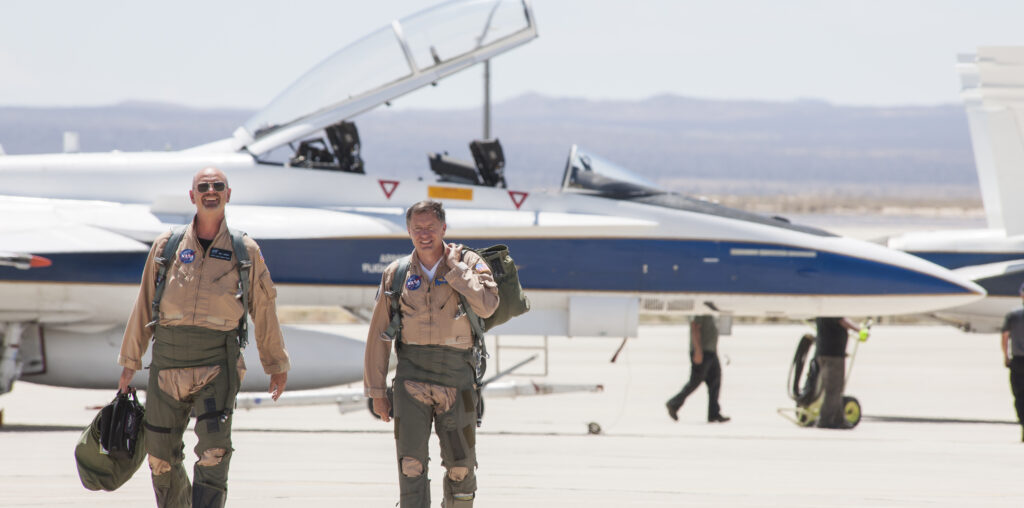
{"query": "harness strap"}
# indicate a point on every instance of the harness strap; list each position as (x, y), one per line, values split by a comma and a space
(480, 355)
(164, 262)
(154, 428)
(166, 259)
(394, 330)
(476, 323)
(244, 269)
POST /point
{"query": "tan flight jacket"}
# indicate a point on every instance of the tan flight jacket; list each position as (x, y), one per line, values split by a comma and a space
(429, 312)
(203, 293)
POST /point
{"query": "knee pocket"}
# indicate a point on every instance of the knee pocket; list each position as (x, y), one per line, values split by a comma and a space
(158, 466)
(212, 457)
(411, 467)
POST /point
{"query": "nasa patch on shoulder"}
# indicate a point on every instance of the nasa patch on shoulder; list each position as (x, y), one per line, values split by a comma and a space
(187, 256)
(413, 283)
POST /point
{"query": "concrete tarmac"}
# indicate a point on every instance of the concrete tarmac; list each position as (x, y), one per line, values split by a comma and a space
(939, 430)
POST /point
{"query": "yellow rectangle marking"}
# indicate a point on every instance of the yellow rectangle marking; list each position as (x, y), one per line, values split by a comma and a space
(449, 193)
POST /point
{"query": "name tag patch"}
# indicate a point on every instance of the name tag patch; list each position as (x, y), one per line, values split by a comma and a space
(413, 283)
(440, 280)
(220, 254)
(187, 256)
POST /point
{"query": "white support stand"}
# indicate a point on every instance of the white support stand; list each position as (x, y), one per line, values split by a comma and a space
(498, 347)
(10, 367)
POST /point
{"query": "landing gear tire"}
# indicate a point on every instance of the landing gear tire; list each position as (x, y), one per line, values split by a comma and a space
(851, 411)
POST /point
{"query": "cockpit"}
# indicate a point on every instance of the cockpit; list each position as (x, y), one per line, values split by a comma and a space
(586, 173)
(590, 174)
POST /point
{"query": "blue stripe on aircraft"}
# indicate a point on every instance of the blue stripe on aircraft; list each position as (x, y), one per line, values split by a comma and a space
(597, 264)
(85, 267)
(953, 260)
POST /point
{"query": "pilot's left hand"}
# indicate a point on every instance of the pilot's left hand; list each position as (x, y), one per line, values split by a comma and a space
(277, 382)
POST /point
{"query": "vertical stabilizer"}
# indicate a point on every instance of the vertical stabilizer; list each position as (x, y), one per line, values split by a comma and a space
(993, 94)
(977, 123)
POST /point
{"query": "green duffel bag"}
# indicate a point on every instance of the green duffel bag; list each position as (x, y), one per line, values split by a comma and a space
(112, 447)
(512, 301)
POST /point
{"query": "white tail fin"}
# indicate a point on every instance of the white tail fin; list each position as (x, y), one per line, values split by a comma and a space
(993, 93)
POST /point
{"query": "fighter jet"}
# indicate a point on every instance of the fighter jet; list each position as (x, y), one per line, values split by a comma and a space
(592, 255)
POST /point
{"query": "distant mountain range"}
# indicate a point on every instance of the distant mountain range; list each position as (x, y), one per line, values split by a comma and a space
(689, 145)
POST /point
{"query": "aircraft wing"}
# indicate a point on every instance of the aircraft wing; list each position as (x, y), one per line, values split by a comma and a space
(59, 231)
(60, 226)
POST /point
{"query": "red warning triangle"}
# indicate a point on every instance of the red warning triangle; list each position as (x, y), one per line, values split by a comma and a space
(389, 186)
(517, 197)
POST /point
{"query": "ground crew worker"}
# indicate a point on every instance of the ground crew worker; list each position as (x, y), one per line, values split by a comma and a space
(435, 376)
(830, 353)
(704, 368)
(197, 363)
(1012, 344)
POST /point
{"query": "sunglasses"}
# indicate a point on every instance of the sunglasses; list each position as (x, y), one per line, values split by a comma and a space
(205, 186)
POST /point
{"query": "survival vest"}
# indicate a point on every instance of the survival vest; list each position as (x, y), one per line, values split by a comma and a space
(244, 266)
(512, 302)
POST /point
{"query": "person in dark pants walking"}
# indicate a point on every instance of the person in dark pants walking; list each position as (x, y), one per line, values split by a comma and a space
(830, 353)
(704, 368)
(1012, 344)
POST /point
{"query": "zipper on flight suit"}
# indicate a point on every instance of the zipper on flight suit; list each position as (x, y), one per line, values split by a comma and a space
(199, 280)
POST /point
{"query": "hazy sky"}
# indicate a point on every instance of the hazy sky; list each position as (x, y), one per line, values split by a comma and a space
(237, 53)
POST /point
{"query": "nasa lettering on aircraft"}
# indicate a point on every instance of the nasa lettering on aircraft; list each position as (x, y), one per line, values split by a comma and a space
(382, 262)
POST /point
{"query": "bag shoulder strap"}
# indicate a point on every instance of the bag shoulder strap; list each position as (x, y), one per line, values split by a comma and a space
(475, 322)
(163, 262)
(394, 295)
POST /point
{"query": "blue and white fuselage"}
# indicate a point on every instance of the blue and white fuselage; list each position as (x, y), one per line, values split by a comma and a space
(327, 235)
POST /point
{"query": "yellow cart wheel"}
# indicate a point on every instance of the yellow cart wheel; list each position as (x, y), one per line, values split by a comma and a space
(851, 411)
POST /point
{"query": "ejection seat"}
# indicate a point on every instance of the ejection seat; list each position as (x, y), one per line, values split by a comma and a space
(488, 170)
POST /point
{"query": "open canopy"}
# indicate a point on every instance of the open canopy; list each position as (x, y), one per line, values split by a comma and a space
(389, 62)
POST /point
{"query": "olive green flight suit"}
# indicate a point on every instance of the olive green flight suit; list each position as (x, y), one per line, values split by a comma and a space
(435, 384)
(208, 359)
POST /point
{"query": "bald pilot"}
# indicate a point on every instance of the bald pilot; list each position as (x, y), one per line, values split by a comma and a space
(197, 328)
